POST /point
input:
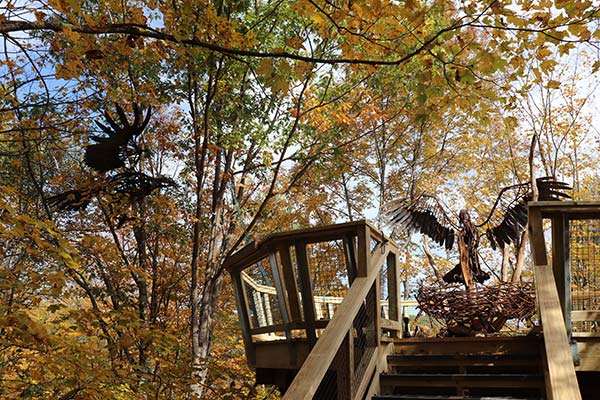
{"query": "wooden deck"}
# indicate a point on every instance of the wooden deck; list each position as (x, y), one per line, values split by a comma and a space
(320, 311)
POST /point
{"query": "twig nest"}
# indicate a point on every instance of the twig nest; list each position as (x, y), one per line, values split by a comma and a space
(483, 309)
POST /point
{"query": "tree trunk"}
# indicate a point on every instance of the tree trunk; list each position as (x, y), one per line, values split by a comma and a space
(520, 257)
(427, 250)
(505, 264)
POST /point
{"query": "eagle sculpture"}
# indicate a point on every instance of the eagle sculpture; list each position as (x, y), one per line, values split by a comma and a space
(504, 223)
(117, 157)
(112, 151)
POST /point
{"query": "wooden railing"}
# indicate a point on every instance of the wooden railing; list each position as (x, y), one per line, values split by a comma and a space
(561, 379)
(337, 342)
(284, 306)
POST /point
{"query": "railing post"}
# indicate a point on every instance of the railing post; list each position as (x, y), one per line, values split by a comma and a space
(289, 281)
(350, 255)
(536, 236)
(243, 315)
(307, 295)
(364, 250)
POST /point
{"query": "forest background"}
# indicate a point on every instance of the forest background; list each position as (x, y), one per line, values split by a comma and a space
(269, 115)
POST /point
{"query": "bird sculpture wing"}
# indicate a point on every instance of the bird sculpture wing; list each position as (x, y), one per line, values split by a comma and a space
(129, 186)
(110, 152)
(425, 214)
(508, 217)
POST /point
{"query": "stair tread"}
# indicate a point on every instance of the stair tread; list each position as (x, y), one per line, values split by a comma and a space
(436, 397)
(466, 380)
(451, 359)
(463, 356)
(466, 376)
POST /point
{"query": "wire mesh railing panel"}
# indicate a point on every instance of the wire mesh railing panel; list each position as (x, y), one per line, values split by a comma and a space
(365, 336)
(261, 295)
(384, 294)
(328, 271)
(584, 248)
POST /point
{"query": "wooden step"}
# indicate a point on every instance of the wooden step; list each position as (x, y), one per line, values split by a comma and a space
(455, 360)
(462, 380)
(434, 397)
(471, 345)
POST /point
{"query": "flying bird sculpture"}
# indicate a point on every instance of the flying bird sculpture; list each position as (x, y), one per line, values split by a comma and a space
(117, 155)
(112, 151)
(507, 218)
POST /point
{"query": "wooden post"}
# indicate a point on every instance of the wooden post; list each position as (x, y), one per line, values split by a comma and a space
(560, 265)
(283, 304)
(393, 289)
(243, 315)
(289, 280)
(364, 251)
(307, 295)
(536, 236)
(350, 255)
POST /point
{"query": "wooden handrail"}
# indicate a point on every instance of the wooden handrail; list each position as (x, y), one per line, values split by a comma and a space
(307, 381)
(562, 380)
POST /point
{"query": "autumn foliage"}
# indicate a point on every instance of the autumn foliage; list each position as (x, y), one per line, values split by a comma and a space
(267, 116)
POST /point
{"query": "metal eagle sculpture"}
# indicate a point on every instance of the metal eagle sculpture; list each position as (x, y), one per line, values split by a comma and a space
(117, 156)
(504, 223)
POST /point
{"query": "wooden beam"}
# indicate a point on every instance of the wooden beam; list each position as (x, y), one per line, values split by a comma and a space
(561, 370)
(585, 315)
(536, 237)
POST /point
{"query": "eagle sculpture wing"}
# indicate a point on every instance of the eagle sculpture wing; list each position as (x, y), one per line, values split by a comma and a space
(110, 152)
(508, 217)
(425, 214)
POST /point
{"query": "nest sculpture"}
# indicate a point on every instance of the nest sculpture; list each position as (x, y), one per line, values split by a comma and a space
(482, 309)
(477, 308)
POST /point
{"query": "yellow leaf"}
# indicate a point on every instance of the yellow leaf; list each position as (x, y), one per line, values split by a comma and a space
(553, 84)
(265, 68)
(295, 43)
(70, 34)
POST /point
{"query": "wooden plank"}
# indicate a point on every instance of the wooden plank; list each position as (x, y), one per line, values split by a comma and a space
(561, 265)
(536, 237)
(314, 368)
(390, 325)
(289, 281)
(254, 251)
(364, 252)
(589, 353)
(585, 315)
(586, 334)
(575, 210)
(561, 369)
(306, 290)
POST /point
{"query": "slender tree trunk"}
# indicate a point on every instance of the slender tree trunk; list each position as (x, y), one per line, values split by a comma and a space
(432, 263)
(520, 257)
(505, 264)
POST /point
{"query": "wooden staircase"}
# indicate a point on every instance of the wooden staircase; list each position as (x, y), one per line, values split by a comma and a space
(464, 368)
